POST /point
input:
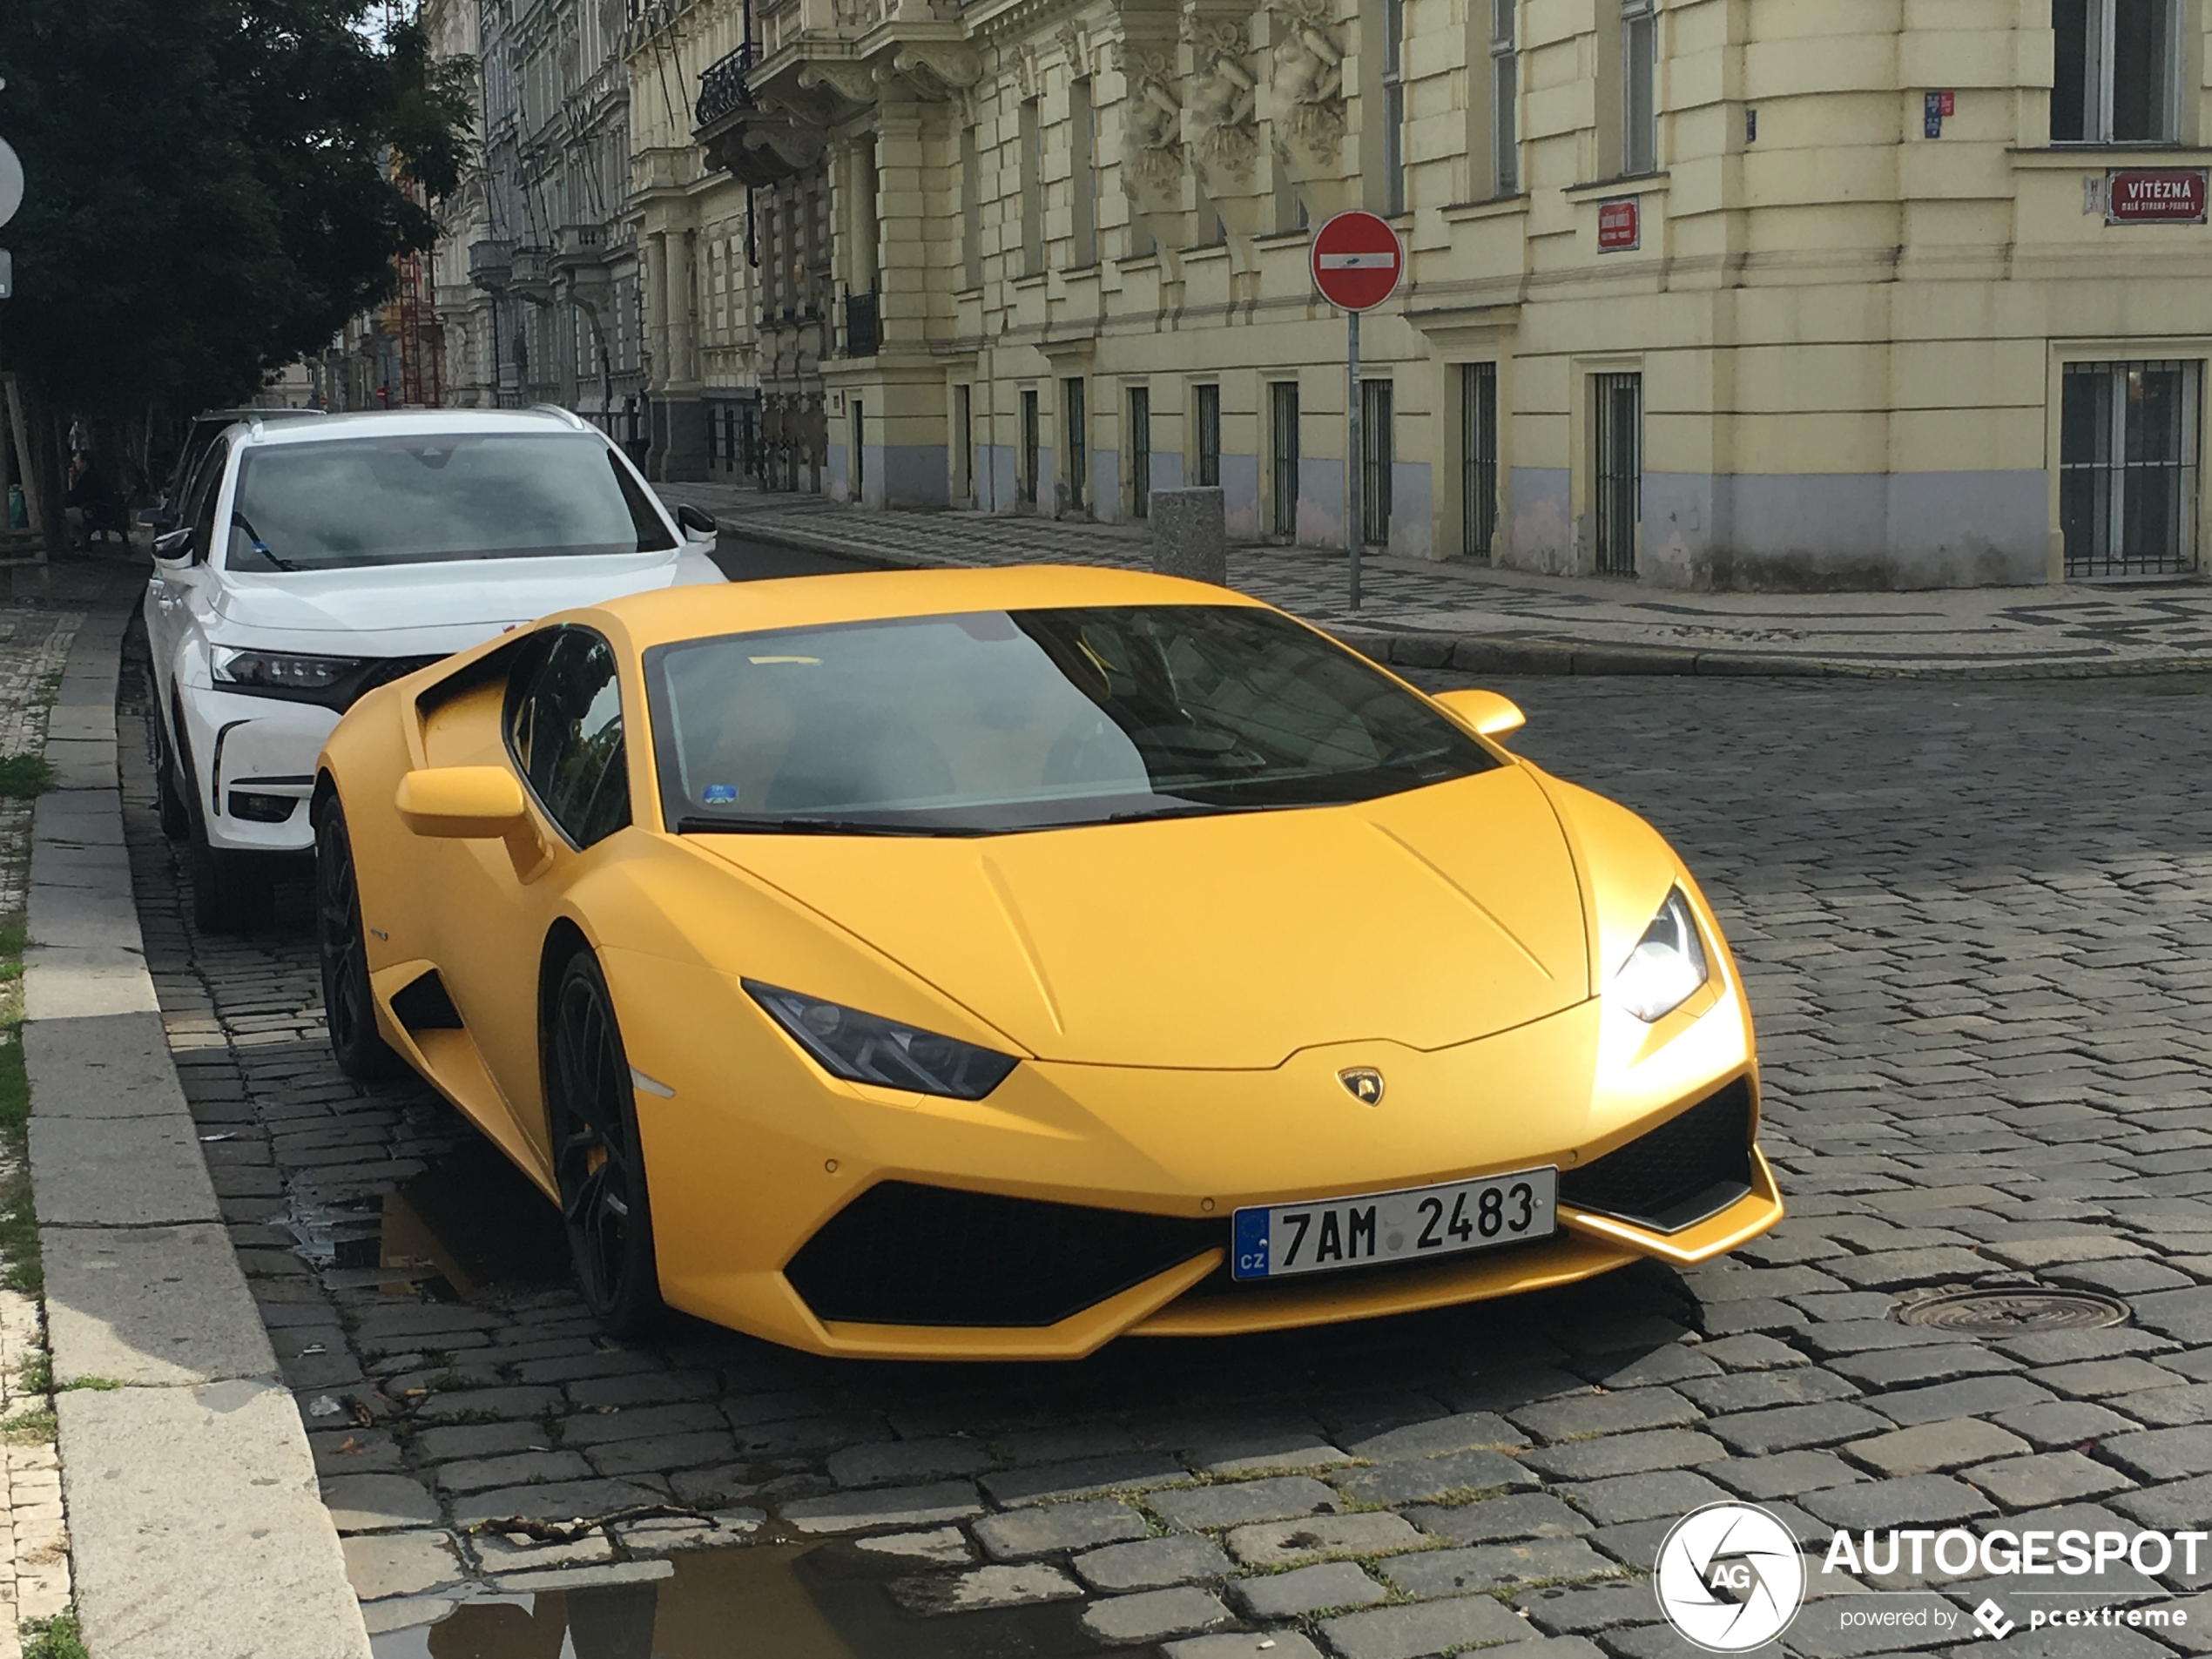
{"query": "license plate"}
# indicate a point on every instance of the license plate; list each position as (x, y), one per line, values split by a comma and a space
(1280, 1241)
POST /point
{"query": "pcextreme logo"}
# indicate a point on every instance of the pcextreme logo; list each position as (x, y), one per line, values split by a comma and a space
(1729, 1577)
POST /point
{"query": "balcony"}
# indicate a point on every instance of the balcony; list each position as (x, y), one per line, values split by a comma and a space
(580, 246)
(533, 271)
(743, 140)
(491, 265)
(722, 89)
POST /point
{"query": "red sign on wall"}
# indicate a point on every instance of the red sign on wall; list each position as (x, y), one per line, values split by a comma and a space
(1619, 225)
(2162, 196)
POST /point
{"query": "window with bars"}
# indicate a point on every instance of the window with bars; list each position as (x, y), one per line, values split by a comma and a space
(964, 442)
(1031, 442)
(1479, 457)
(1377, 453)
(2114, 71)
(1504, 92)
(1616, 448)
(1208, 399)
(1140, 451)
(2127, 468)
(1283, 417)
(1639, 86)
(1393, 109)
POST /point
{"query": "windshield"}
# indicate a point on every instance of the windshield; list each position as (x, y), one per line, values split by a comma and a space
(396, 500)
(994, 721)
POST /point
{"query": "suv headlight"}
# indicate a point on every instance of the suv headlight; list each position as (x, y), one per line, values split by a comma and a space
(276, 670)
(1667, 966)
(867, 1048)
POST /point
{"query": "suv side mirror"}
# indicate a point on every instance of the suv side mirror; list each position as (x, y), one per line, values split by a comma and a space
(698, 526)
(174, 548)
(1488, 712)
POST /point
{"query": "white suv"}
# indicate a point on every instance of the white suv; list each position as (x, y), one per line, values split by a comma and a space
(320, 558)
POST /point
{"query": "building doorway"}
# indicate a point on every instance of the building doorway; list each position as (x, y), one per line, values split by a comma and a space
(1076, 467)
(1378, 455)
(1282, 417)
(1617, 510)
(1478, 458)
(1140, 452)
(2127, 468)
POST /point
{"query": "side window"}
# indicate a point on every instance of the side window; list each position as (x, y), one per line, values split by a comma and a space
(200, 496)
(564, 731)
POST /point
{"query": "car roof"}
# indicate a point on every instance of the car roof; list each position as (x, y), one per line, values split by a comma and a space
(673, 614)
(232, 415)
(415, 423)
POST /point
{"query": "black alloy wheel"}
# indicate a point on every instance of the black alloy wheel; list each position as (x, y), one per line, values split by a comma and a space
(169, 793)
(232, 893)
(342, 946)
(591, 1110)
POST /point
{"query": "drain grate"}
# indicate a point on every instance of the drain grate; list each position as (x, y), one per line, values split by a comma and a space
(2011, 1313)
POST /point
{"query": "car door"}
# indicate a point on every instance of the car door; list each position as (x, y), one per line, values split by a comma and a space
(183, 589)
(562, 732)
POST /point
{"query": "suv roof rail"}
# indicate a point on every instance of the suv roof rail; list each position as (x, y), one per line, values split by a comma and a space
(569, 415)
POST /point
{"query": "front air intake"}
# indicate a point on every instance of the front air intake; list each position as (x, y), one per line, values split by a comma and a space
(1694, 1165)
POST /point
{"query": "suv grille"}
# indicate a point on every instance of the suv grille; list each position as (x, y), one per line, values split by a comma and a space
(1694, 1165)
(381, 671)
(905, 1254)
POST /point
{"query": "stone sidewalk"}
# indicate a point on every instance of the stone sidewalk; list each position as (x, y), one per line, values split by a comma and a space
(1433, 615)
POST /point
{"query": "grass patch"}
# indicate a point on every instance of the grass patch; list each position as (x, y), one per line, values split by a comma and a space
(55, 1638)
(25, 777)
(28, 1428)
(34, 1375)
(97, 1385)
(18, 1224)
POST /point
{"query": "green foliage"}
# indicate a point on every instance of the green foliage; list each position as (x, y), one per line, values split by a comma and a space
(25, 777)
(28, 1428)
(211, 187)
(55, 1638)
(97, 1385)
(35, 1373)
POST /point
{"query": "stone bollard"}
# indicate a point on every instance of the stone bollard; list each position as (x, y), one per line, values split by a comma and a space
(1187, 534)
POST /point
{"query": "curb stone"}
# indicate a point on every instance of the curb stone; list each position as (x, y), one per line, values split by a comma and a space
(1512, 654)
(196, 1525)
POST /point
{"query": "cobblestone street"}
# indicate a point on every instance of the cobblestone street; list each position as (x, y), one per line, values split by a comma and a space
(1975, 922)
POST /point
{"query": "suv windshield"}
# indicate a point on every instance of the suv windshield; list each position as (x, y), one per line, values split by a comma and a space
(324, 506)
(994, 721)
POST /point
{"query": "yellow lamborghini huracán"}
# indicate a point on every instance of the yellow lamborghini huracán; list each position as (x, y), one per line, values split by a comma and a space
(967, 964)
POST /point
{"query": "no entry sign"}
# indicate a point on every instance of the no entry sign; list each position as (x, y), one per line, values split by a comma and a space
(1357, 261)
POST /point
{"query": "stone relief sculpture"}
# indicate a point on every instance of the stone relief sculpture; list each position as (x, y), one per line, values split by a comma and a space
(1152, 130)
(1223, 111)
(1306, 102)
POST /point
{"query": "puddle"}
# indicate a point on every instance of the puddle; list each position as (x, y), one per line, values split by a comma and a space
(824, 1601)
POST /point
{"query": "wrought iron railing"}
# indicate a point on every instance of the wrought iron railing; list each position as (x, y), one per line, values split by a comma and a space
(722, 89)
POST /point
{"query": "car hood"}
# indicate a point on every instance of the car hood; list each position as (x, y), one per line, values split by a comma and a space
(1429, 919)
(464, 595)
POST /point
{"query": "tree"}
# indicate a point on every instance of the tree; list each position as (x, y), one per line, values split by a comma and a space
(213, 188)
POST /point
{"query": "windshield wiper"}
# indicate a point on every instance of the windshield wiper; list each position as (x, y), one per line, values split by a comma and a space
(705, 825)
(253, 538)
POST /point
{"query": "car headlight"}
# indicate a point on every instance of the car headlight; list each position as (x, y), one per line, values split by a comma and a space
(274, 671)
(867, 1048)
(1667, 966)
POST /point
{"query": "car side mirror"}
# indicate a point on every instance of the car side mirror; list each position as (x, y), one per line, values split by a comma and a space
(1488, 712)
(698, 525)
(174, 548)
(473, 804)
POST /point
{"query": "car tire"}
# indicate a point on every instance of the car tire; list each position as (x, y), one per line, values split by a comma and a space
(341, 949)
(598, 1163)
(169, 794)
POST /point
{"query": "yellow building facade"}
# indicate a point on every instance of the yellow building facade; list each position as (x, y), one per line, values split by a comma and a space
(1759, 293)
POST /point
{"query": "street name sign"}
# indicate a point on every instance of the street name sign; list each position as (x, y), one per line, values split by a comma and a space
(1619, 225)
(2154, 196)
(1357, 261)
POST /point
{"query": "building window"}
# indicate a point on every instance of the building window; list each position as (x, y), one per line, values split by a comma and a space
(1639, 87)
(964, 442)
(1504, 92)
(1376, 454)
(1082, 182)
(1393, 105)
(2127, 468)
(1616, 419)
(971, 210)
(1140, 451)
(2114, 71)
(860, 451)
(1027, 481)
(1479, 458)
(1282, 419)
(1032, 193)
(1209, 401)
(1076, 467)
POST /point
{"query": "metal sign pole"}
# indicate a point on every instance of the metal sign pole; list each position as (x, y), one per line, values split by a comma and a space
(1353, 460)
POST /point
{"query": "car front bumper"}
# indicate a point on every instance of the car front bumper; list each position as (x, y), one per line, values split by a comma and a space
(261, 747)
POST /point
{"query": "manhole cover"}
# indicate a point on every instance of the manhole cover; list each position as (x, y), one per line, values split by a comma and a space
(2005, 1313)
